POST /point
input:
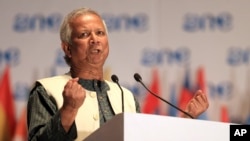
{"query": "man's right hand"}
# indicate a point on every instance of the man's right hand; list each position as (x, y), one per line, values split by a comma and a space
(73, 97)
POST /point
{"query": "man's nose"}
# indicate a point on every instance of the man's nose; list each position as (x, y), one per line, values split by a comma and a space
(93, 39)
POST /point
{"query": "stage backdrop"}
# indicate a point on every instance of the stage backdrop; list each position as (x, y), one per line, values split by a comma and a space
(176, 46)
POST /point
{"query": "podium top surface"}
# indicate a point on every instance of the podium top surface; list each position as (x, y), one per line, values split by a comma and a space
(147, 127)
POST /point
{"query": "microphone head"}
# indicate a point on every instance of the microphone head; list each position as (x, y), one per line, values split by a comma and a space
(137, 77)
(114, 78)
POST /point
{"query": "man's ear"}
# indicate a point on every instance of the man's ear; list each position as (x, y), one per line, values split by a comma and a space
(66, 49)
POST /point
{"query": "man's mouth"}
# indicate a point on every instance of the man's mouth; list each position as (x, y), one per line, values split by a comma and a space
(95, 51)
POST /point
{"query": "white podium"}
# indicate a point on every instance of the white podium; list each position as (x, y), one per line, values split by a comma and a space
(146, 127)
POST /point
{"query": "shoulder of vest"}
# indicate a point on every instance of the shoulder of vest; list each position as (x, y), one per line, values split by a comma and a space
(55, 79)
(55, 82)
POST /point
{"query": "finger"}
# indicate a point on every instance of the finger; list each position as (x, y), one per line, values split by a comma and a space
(69, 84)
(204, 97)
(75, 79)
(195, 103)
(73, 82)
(191, 108)
(201, 102)
(198, 100)
(199, 93)
(78, 89)
(196, 96)
(74, 88)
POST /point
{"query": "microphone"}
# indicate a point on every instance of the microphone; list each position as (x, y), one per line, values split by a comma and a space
(139, 79)
(115, 79)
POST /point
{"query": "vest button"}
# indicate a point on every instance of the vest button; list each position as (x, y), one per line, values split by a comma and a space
(93, 95)
(95, 117)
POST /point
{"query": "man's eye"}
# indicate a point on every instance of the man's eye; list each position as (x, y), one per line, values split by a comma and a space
(100, 33)
(84, 34)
